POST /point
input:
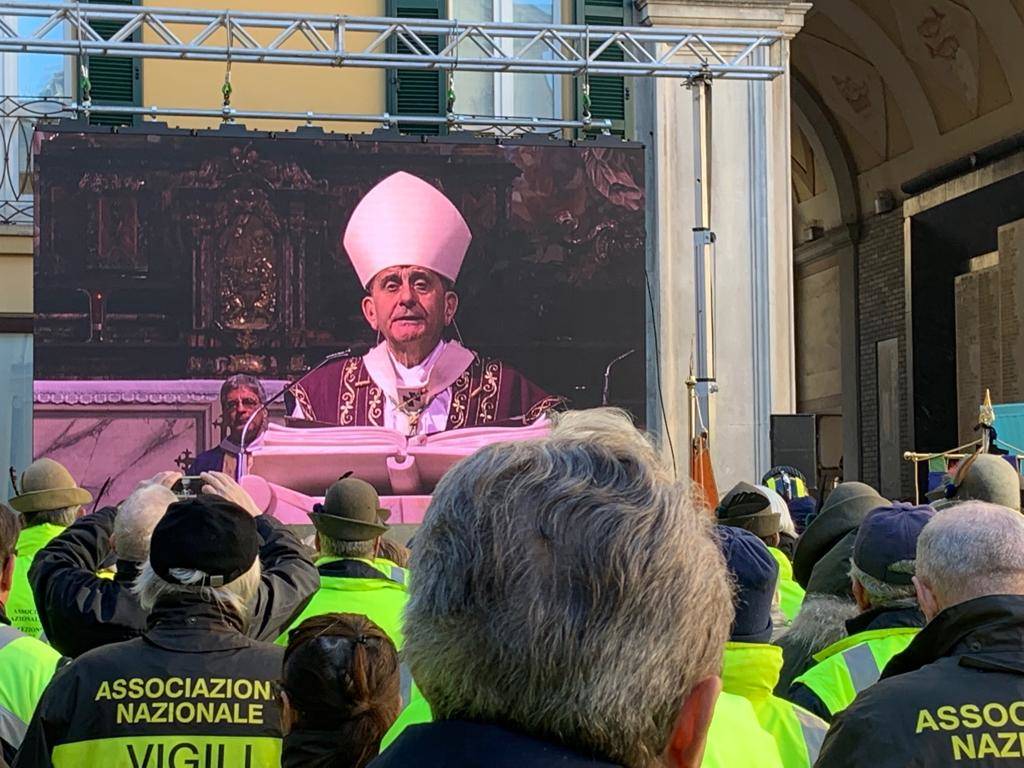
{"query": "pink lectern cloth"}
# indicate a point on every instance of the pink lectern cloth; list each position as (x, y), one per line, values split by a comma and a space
(292, 466)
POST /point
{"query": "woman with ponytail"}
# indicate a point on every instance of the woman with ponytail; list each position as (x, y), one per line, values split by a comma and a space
(339, 690)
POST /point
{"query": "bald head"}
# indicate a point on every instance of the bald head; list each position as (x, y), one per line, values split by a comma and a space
(967, 551)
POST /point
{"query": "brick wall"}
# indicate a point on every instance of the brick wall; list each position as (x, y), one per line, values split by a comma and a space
(881, 304)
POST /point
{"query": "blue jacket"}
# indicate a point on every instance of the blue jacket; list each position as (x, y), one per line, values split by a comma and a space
(466, 744)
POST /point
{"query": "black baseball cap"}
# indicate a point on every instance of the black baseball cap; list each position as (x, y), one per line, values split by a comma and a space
(205, 533)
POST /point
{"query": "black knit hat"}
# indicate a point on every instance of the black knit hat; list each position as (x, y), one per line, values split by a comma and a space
(748, 508)
(206, 533)
(755, 574)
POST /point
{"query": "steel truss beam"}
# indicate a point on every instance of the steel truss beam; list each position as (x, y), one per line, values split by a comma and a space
(54, 107)
(350, 41)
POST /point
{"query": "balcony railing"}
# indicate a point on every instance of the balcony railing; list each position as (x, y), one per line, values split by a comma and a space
(18, 117)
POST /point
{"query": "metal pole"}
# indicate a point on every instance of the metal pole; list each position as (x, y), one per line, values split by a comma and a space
(231, 114)
(703, 255)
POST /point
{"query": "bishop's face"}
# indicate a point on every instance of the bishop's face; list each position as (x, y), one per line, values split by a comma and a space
(410, 307)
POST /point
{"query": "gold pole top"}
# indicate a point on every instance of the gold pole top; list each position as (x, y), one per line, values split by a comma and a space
(987, 414)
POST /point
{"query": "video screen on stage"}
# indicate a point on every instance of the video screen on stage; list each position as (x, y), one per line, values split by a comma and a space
(168, 254)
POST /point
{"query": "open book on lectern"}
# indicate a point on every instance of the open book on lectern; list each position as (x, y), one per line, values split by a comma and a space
(309, 459)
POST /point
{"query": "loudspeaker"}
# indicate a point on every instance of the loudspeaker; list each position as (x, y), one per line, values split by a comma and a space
(794, 438)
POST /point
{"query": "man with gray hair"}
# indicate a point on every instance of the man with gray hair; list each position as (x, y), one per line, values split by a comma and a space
(241, 396)
(194, 689)
(569, 606)
(881, 573)
(955, 696)
(81, 610)
(78, 608)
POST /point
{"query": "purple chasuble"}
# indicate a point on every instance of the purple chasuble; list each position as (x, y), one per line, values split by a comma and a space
(487, 394)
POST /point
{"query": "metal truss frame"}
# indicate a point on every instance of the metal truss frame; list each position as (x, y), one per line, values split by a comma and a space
(351, 41)
(36, 108)
(696, 56)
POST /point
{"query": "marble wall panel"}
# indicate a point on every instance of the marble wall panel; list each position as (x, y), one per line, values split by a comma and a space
(125, 445)
(127, 429)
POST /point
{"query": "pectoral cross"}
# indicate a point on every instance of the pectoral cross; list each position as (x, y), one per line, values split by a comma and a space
(413, 402)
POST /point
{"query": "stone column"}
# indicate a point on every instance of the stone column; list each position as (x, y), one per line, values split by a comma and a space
(752, 218)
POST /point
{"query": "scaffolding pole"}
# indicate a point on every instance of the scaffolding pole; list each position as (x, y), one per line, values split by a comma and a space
(351, 41)
(704, 384)
(68, 108)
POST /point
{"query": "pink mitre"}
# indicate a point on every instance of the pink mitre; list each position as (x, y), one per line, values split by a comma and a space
(406, 221)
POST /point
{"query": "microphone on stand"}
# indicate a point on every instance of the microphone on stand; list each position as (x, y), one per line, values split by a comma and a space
(608, 375)
(242, 447)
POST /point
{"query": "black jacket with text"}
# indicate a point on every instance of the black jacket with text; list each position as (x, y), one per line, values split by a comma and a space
(80, 611)
(192, 691)
(954, 697)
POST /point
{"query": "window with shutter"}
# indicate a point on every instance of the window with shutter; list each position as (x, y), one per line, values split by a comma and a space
(114, 80)
(608, 94)
(417, 91)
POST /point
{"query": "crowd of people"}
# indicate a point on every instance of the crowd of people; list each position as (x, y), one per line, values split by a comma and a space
(566, 602)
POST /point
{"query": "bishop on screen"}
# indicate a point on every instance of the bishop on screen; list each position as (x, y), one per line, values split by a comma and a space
(407, 242)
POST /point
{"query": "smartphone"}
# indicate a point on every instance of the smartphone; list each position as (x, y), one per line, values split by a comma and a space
(188, 487)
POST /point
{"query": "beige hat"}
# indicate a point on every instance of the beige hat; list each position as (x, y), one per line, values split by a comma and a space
(47, 485)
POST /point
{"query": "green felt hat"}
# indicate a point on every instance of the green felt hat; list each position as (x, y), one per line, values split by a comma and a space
(985, 477)
(351, 512)
(46, 485)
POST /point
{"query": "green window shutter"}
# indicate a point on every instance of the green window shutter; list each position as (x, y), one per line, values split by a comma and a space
(417, 91)
(609, 94)
(114, 80)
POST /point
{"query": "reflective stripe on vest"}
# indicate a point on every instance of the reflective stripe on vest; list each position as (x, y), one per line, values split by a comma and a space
(155, 750)
(861, 664)
(846, 668)
(9, 635)
(405, 684)
(398, 575)
(12, 727)
(814, 734)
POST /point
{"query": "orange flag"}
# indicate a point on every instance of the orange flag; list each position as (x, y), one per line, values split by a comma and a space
(702, 473)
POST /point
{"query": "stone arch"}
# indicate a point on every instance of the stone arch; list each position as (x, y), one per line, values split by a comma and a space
(812, 115)
(893, 67)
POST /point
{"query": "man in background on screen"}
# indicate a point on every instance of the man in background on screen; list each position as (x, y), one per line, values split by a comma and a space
(407, 241)
(240, 396)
